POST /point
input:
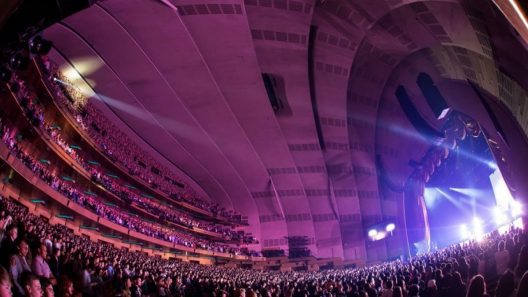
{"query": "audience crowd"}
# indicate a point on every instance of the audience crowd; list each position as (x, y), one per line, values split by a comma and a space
(118, 146)
(40, 259)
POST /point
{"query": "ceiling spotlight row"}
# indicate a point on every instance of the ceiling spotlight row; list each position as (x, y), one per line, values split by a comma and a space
(18, 59)
(380, 233)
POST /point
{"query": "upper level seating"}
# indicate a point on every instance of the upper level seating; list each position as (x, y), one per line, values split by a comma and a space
(11, 137)
(95, 269)
(128, 193)
(118, 146)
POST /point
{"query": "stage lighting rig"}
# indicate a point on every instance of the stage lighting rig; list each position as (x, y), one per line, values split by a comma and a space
(39, 45)
(381, 230)
(5, 74)
(18, 61)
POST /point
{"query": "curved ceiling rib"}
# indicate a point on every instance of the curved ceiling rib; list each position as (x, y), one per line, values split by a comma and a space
(101, 98)
(208, 123)
(131, 94)
(286, 58)
(233, 203)
(274, 154)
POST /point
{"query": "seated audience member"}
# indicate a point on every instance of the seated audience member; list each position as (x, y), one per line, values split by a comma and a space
(5, 283)
(40, 267)
(5, 221)
(65, 287)
(8, 245)
(32, 287)
(136, 290)
(126, 292)
(54, 263)
(47, 287)
(19, 265)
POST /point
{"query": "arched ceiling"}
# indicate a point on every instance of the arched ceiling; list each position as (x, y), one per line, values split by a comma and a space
(184, 80)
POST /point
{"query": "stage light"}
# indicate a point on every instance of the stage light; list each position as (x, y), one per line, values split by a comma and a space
(516, 209)
(372, 233)
(14, 87)
(5, 74)
(464, 232)
(503, 229)
(518, 223)
(499, 215)
(478, 229)
(478, 232)
(479, 235)
(519, 12)
(18, 62)
(39, 45)
(390, 227)
(380, 235)
(431, 197)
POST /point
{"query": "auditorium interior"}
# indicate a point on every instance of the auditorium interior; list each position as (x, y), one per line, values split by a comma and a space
(285, 148)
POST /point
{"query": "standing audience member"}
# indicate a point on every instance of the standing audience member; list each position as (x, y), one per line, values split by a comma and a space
(522, 289)
(502, 258)
(458, 288)
(387, 291)
(506, 285)
(414, 291)
(397, 292)
(477, 287)
(522, 263)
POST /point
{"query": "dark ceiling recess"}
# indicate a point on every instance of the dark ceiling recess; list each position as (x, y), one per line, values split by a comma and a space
(490, 112)
(311, 81)
(524, 6)
(276, 90)
(31, 16)
(432, 95)
(418, 122)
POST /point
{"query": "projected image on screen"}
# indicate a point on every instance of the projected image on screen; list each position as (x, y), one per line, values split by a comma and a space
(467, 196)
